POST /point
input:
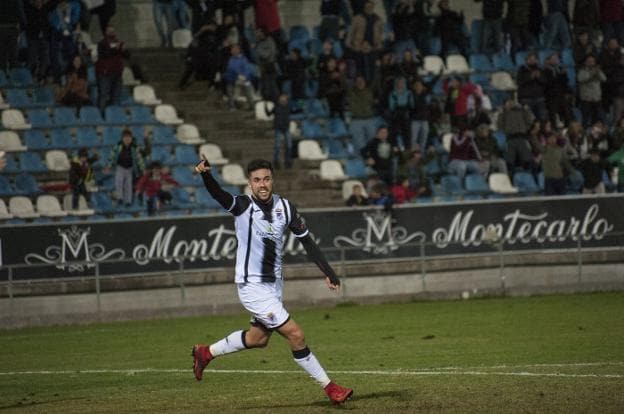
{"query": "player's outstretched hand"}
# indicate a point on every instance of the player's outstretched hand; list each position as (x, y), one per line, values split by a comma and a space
(202, 166)
(332, 285)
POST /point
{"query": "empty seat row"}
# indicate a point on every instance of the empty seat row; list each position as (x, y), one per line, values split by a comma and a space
(46, 205)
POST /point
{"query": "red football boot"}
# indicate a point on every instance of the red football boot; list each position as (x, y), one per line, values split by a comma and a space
(338, 394)
(201, 357)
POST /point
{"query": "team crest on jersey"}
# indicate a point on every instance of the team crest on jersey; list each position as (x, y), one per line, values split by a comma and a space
(279, 213)
(271, 316)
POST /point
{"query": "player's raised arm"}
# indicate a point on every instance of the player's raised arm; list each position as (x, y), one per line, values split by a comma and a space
(232, 204)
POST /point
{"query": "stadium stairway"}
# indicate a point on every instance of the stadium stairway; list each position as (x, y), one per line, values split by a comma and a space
(240, 136)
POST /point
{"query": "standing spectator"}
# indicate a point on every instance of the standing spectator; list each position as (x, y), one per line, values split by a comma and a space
(64, 21)
(357, 197)
(409, 67)
(556, 24)
(238, 73)
(403, 20)
(81, 175)
(360, 100)
(11, 15)
(555, 166)
(326, 54)
(266, 55)
(76, 90)
(401, 103)
(491, 156)
(267, 18)
(366, 39)
(575, 142)
(296, 72)
(420, 115)
(128, 163)
(380, 153)
(151, 185)
(332, 86)
(609, 61)
(449, 27)
(515, 121)
(598, 139)
(479, 108)
(617, 137)
(611, 19)
(617, 83)
(202, 12)
(331, 12)
(593, 169)
(518, 18)
(531, 86)
(281, 125)
(415, 170)
(38, 33)
(109, 69)
(402, 192)
(557, 91)
(457, 94)
(202, 57)
(586, 17)
(464, 156)
(492, 27)
(163, 18)
(582, 48)
(357, 6)
(590, 77)
(105, 13)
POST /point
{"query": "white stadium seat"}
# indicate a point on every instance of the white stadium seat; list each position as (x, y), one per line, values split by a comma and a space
(10, 142)
(347, 188)
(503, 81)
(57, 160)
(212, 152)
(457, 64)
(500, 183)
(189, 134)
(233, 174)
(446, 141)
(14, 119)
(433, 64)
(309, 149)
(4, 213)
(261, 114)
(144, 94)
(49, 206)
(22, 207)
(128, 78)
(181, 38)
(167, 115)
(332, 170)
(83, 208)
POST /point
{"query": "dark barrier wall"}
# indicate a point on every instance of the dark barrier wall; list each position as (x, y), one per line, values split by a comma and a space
(454, 228)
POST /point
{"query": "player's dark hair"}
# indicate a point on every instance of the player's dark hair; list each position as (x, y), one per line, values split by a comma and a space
(259, 165)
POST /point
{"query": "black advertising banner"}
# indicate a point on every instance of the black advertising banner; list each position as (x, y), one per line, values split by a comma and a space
(155, 245)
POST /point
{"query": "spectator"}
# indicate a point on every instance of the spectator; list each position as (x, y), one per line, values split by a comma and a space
(609, 61)
(415, 170)
(202, 58)
(266, 55)
(331, 12)
(449, 27)
(180, 15)
(575, 143)
(386, 70)
(557, 91)
(586, 17)
(333, 87)
(38, 32)
(357, 197)
(409, 67)
(366, 39)
(492, 26)
(202, 12)
(380, 153)
(616, 158)
(360, 100)
(492, 159)
(267, 18)
(420, 114)
(357, 6)
(327, 53)
(109, 69)
(617, 85)
(281, 123)
(401, 103)
(464, 156)
(75, 92)
(151, 185)
(479, 108)
(64, 21)
(598, 139)
(611, 17)
(105, 13)
(457, 94)
(380, 196)
(617, 138)
(556, 25)
(164, 20)
(590, 77)
(404, 21)
(582, 48)
(515, 121)
(531, 86)
(518, 18)
(295, 69)
(81, 176)
(402, 191)
(593, 169)
(11, 15)
(238, 73)
(555, 166)
(128, 162)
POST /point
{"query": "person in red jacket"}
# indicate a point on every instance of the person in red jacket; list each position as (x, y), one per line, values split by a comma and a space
(402, 192)
(457, 94)
(150, 184)
(268, 19)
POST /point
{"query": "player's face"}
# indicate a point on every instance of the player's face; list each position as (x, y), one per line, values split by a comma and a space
(261, 184)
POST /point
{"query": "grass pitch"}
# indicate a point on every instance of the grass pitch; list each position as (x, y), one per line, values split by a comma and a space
(555, 354)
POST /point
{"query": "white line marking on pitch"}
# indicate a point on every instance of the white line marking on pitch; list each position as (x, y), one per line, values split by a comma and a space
(348, 372)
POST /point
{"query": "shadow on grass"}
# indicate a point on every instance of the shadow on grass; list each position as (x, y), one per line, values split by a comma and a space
(396, 394)
(25, 403)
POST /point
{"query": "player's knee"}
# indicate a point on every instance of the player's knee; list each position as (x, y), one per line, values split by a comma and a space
(262, 342)
(297, 338)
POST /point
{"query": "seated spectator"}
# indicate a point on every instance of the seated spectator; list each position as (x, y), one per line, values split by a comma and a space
(479, 108)
(128, 162)
(281, 124)
(151, 186)
(401, 103)
(617, 137)
(414, 169)
(239, 73)
(402, 191)
(598, 139)
(590, 79)
(380, 196)
(531, 86)
(575, 143)
(267, 18)
(38, 32)
(81, 176)
(76, 90)
(164, 20)
(333, 87)
(295, 70)
(557, 91)
(449, 27)
(64, 21)
(266, 56)
(609, 61)
(420, 114)
(360, 100)
(555, 166)
(202, 58)
(492, 159)
(582, 47)
(464, 156)
(357, 198)
(592, 169)
(326, 54)
(366, 39)
(617, 159)
(109, 69)
(381, 154)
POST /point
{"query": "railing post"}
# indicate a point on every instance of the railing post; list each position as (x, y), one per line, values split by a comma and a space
(423, 266)
(343, 273)
(97, 287)
(501, 262)
(579, 259)
(11, 290)
(181, 280)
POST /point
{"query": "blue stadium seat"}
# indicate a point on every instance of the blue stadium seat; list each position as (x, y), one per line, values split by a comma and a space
(65, 116)
(103, 161)
(26, 184)
(501, 140)
(43, 97)
(502, 61)
(62, 139)
(116, 115)
(315, 46)
(571, 77)
(299, 32)
(481, 63)
(105, 182)
(181, 198)
(185, 177)
(31, 162)
(525, 183)
(102, 203)
(216, 174)
(433, 169)
(315, 108)
(476, 184)
(126, 97)
(21, 77)
(338, 149)
(204, 199)
(435, 45)
(87, 137)
(138, 133)
(540, 181)
(472, 197)
(232, 189)
(90, 115)
(337, 129)
(18, 98)
(163, 155)
(39, 118)
(11, 165)
(480, 79)
(311, 88)
(70, 219)
(36, 140)
(355, 168)
(450, 185)
(300, 44)
(476, 30)
(91, 77)
(112, 135)
(312, 130)
(163, 135)
(142, 115)
(4, 81)
(520, 57)
(186, 154)
(6, 189)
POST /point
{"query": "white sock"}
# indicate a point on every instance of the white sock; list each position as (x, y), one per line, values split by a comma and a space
(234, 342)
(306, 360)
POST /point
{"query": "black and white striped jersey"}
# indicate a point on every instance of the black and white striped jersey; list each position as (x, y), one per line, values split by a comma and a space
(260, 230)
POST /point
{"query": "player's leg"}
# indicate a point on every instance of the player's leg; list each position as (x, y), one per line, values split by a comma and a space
(307, 360)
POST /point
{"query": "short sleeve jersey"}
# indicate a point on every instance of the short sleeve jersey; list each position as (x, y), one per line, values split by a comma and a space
(260, 231)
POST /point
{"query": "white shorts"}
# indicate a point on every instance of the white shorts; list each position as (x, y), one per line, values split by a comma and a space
(264, 301)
